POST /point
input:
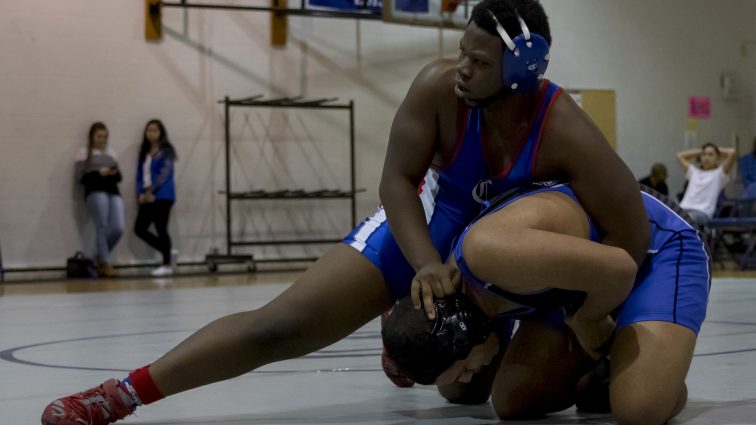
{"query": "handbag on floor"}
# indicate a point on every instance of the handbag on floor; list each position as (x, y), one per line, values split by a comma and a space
(79, 266)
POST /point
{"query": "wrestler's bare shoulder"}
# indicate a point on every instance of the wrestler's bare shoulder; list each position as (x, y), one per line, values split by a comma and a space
(435, 82)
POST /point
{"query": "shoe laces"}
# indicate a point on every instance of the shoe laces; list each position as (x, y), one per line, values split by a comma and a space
(100, 405)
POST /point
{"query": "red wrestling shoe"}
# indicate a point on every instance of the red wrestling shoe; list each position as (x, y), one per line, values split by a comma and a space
(101, 405)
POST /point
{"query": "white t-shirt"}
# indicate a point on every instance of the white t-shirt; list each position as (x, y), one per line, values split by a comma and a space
(146, 171)
(703, 189)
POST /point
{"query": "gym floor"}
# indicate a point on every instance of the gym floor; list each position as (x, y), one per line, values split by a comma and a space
(61, 337)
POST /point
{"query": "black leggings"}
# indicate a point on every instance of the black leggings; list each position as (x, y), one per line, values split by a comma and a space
(155, 212)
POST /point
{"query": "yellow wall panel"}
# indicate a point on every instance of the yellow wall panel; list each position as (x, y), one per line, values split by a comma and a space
(600, 105)
(153, 26)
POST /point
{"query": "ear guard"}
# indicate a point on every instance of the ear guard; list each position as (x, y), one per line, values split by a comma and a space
(423, 348)
(526, 57)
(459, 326)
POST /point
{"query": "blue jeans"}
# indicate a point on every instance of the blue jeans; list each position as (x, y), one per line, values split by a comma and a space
(107, 211)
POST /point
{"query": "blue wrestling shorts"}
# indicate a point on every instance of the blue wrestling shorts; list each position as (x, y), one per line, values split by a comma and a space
(374, 240)
(673, 282)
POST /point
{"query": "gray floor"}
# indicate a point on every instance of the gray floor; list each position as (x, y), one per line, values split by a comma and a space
(52, 345)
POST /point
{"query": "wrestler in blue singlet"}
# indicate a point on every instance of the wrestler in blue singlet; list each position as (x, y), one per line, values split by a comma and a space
(672, 284)
(452, 194)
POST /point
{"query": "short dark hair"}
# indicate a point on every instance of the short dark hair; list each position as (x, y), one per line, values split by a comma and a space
(658, 166)
(423, 348)
(506, 11)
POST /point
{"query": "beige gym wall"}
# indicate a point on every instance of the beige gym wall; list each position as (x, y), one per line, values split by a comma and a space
(67, 64)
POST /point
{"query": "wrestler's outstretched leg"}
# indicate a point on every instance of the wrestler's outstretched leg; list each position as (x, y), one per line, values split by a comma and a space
(341, 292)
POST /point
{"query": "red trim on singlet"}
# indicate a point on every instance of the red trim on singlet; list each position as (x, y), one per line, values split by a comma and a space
(505, 172)
(537, 147)
(463, 119)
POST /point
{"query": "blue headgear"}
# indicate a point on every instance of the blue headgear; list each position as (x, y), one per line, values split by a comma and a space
(525, 58)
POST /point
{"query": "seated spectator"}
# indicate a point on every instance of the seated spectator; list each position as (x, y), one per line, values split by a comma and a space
(657, 180)
(747, 166)
(705, 180)
(97, 170)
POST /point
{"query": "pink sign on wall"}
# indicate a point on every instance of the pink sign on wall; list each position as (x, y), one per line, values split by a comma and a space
(699, 107)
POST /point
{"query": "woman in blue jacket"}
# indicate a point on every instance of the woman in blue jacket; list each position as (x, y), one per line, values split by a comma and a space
(156, 191)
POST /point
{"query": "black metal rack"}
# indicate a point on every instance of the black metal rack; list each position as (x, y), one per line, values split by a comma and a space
(2, 270)
(284, 102)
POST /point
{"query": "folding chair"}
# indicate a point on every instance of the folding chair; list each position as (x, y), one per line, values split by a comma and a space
(734, 229)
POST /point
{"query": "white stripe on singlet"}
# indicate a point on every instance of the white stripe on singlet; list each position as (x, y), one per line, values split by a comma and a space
(427, 198)
(367, 228)
(428, 193)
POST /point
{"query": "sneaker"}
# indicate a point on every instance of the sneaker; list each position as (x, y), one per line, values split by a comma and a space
(162, 271)
(174, 259)
(97, 406)
(104, 268)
